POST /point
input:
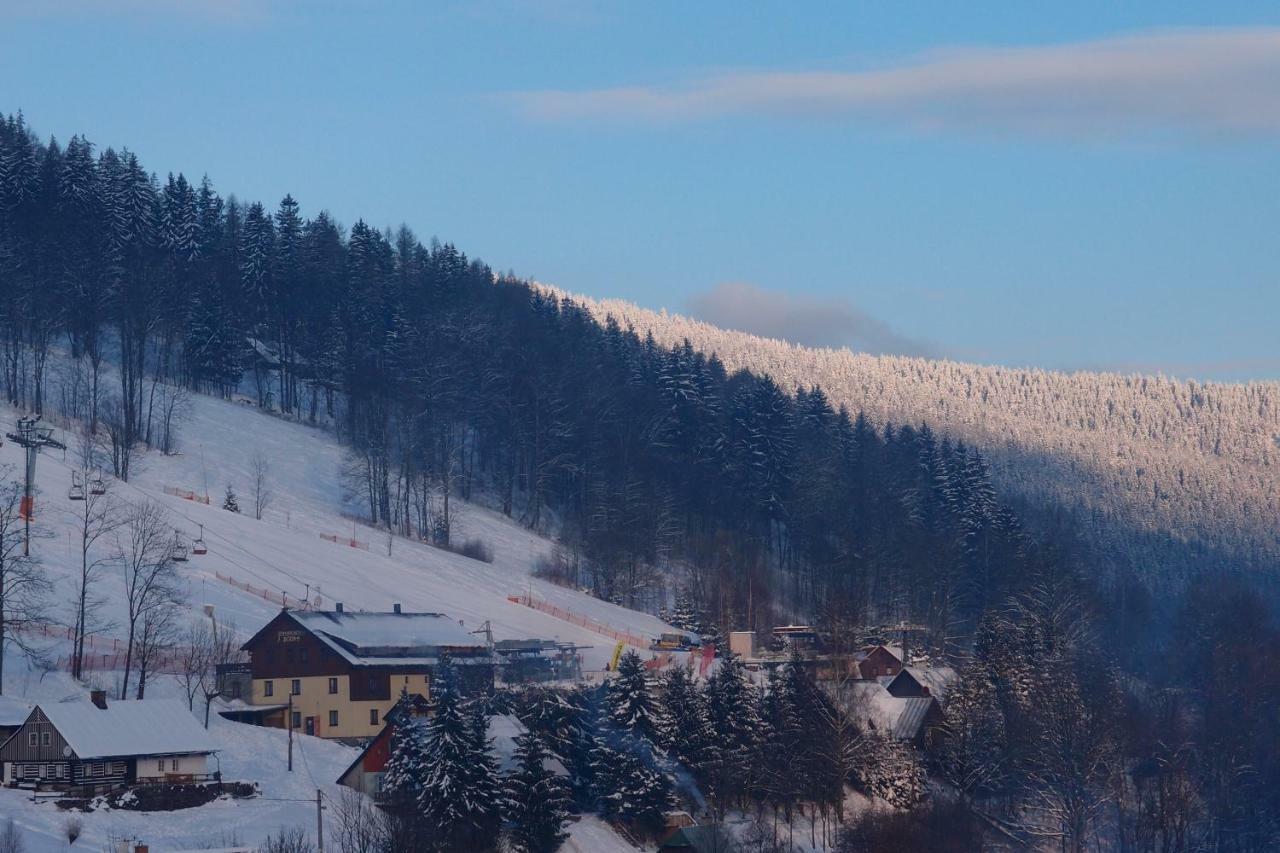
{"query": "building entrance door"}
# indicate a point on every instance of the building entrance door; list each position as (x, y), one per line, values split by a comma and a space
(311, 725)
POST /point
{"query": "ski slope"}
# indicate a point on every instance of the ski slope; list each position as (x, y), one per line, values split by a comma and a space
(285, 552)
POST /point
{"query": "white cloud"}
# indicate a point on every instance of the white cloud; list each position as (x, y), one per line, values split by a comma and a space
(800, 319)
(1196, 79)
(213, 11)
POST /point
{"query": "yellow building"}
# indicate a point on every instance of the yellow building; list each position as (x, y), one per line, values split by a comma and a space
(338, 673)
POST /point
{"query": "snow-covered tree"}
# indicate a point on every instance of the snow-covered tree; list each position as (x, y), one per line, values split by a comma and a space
(536, 799)
(630, 706)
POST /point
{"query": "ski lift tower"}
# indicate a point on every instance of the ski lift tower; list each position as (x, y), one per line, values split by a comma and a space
(32, 435)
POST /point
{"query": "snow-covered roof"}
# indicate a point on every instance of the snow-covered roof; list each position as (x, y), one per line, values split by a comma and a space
(13, 712)
(900, 717)
(504, 729)
(937, 678)
(399, 638)
(146, 727)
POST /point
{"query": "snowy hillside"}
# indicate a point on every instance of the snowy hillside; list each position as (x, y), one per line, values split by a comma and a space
(285, 554)
(1169, 460)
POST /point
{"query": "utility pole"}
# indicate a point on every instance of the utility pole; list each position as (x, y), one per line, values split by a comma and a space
(289, 725)
(32, 436)
(319, 822)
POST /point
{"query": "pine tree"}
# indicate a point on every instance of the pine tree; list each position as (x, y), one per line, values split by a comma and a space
(632, 787)
(456, 798)
(536, 799)
(229, 502)
(685, 730)
(406, 767)
(630, 707)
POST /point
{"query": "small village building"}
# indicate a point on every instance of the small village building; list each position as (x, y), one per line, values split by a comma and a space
(366, 772)
(97, 746)
(338, 673)
(916, 682)
(880, 661)
(875, 709)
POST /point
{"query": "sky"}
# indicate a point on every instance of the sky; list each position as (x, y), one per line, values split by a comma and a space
(1088, 185)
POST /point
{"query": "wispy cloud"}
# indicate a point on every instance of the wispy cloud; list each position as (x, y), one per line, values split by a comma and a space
(212, 11)
(1201, 80)
(800, 319)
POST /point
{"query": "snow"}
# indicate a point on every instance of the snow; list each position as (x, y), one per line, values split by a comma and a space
(590, 834)
(150, 727)
(243, 753)
(503, 730)
(285, 554)
(396, 638)
(13, 712)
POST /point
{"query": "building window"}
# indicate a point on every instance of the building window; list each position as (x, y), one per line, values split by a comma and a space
(45, 739)
(117, 768)
(33, 739)
(160, 765)
(333, 685)
(297, 719)
(373, 716)
(235, 690)
(174, 765)
(296, 687)
(268, 688)
(333, 719)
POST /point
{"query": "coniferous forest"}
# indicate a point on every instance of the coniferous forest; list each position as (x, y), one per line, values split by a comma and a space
(1131, 709)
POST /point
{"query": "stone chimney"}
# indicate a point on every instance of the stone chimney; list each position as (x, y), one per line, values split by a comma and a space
(98, 698)
(338, 606)
(396, 607)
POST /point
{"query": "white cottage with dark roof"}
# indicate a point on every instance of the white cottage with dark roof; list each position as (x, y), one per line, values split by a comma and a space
(99, 745)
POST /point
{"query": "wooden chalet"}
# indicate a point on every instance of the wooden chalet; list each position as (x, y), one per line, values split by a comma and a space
(338, 673)
(96, 746)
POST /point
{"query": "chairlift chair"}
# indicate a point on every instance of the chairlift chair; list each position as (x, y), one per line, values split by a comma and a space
(76, 492)
(179, 550)
(198, 547)
(96, 485)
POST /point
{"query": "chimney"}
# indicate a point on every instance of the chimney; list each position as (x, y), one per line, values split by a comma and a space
(98, 698)
(396, 607)
(338, 607)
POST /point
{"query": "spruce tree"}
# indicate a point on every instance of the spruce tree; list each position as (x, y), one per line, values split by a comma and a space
(229, 502)
(630, 707)
(456, 799)
(536, 799)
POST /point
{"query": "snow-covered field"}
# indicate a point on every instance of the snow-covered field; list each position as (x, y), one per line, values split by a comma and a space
(285, 553)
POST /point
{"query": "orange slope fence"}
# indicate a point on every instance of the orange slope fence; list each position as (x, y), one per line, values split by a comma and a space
(581, 621)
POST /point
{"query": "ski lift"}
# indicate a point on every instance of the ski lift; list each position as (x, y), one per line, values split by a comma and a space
(97, 486)
(76, 492)
(198, 547)
(180, 550)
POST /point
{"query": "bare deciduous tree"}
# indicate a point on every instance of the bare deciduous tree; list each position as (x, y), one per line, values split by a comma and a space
(96, 517)
(22, 586)
(146, 548)
(260, 472)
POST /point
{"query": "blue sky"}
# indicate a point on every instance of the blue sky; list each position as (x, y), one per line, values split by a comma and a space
(1084, 185)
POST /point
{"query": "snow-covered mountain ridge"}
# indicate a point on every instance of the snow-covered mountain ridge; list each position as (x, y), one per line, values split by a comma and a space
(1177, 461)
